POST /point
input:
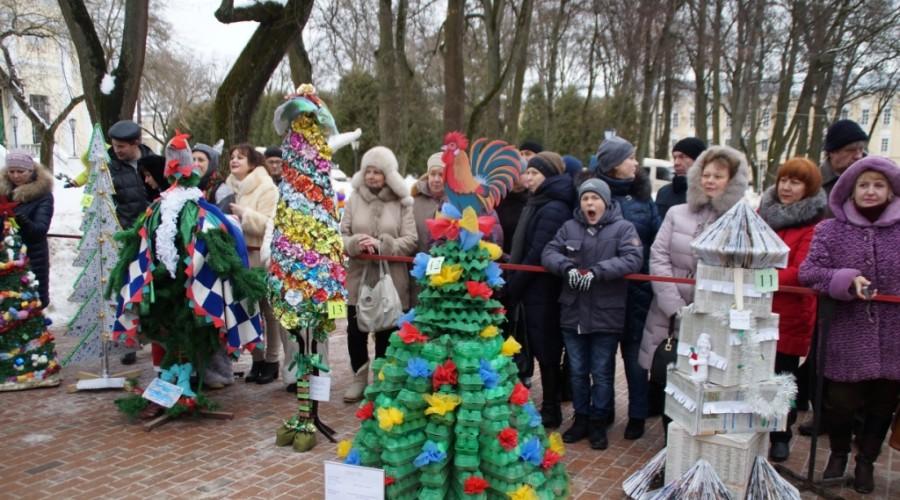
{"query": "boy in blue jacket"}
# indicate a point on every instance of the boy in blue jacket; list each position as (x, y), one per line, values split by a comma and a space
(593, 252)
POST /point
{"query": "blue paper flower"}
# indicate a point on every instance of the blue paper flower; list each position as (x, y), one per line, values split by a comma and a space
(488, 375)
(418, 367)
(420, 264)
(468, 240)
(534, 418)
(353, 457)
(493, 273)
(407, 317)
(532, 451)
(450, 211)
(431, 453)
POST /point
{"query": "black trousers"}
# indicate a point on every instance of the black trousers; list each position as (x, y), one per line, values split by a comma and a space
(876, 400)
(358, 341)
(786, 363)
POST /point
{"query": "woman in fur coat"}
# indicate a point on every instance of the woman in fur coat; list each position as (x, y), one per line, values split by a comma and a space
(716, 182)
(792, 207)
(852, 258)
(29, 186)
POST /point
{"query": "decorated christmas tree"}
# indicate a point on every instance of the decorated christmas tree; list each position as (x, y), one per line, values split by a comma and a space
(446, 416)
(306, 269)
(183, 280)
(97, 254)
(27, 352)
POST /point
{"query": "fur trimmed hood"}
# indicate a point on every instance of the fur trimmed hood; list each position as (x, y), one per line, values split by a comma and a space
(779, 216)
(734, 191)
(42, 185)
(383, 159)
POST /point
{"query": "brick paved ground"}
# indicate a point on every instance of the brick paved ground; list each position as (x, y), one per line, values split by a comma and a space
(56, 444)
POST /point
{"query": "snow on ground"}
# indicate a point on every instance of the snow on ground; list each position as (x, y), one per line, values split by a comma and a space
(66, 220)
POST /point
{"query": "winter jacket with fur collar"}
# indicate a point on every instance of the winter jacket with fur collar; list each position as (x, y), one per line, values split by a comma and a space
(33, 214)
(257, 194)
(425, 205)
(671, 253)
(863, 342)
(795, 224)
(383, 216)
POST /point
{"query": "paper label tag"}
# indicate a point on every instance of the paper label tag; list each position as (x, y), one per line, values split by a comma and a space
(162, 393)
(87, 200)
(739, 319)
(319, 388)
(434, 266)
(353, 482)
(766, 280)
(337, 309)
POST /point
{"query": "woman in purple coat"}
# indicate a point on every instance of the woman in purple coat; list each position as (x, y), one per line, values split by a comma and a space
(853, 257)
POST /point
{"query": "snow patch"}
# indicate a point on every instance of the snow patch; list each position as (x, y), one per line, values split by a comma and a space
(66, 221)
(107, 84)
(35, 438)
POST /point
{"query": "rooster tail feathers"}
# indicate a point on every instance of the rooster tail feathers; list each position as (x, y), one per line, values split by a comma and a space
(496, 165)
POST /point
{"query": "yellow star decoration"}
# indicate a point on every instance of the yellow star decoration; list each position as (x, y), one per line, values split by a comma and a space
(343, 448)
(440, 404)
(389, 417)
(489, 331)
(556, 444)
(510, 347)
(449, 274)
(493, 250)
(524, 492)
(469, 220)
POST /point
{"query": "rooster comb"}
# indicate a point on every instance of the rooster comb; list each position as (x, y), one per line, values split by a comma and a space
(457, 138)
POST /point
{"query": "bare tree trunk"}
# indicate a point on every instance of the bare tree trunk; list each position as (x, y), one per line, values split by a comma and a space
(716, 74)
(120, 101)
(405, 77)
(298, 58)
(586, 130)
(778, 140)
(239, 93)
(388, 120)
(700, 72)
(664, 126)
(520, 60)
(652, 49)
(454, 73)
(553, 65)
(493, 21)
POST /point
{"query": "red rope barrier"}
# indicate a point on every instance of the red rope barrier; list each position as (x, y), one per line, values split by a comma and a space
(539, 269)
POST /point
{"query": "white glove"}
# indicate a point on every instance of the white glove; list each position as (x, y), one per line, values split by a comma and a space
(586, 280)
(574, 278)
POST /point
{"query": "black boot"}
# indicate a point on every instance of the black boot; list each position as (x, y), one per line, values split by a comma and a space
(864, 475)
(578, 431)
(268, 373)
(598, 435)
(129, 358)
(634, 429)
(836, 466)
(869, 440)
(255, 369)
(779, 451)
(551, 415)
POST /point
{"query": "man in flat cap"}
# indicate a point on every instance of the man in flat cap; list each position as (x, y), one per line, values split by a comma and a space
(132, 195)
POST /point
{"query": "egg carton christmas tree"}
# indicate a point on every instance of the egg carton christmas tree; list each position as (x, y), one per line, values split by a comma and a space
(723, 381)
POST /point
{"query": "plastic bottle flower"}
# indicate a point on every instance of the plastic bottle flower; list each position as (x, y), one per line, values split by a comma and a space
(508, 438)
(389, 417)
(444, 374)
(440, 404)
(519, 395)
(510, 347)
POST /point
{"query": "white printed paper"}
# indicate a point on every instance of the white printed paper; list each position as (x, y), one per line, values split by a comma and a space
(319, 388)
(352, 482)
(739, 319)
(434, 266)
(162, 393)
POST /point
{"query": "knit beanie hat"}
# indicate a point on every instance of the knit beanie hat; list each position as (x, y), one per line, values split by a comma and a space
(573, 165)
(547, 163)
(434, 161)
(272, 152)
(211, 152)
(612, 152)
(843, 132)
(19, 159)
(691, 146)
(532, 146)
(594, 185)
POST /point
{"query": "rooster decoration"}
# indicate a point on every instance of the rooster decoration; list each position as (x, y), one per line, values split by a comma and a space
(481, 178)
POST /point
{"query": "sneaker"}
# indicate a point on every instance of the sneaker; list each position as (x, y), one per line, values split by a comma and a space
(634, 429)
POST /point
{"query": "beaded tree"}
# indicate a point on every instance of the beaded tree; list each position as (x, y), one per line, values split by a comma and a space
(27, 352)
(446, 416)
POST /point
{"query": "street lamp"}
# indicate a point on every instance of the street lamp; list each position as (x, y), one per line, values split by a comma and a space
(72, 128)
(15, 124)
(355, 146)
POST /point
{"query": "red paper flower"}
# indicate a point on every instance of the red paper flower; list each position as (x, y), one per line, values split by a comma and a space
(443, 228)
(550, 459)
(444, 374)
(320, 296)
(519, 394)
(475, 485)
(479, 289)
(388, 480)
(508, 438)
(409, 334)
(486, 224)
(366, 411)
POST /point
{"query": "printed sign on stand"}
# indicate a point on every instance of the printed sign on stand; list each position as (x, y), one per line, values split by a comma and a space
(353, 482)
(162, 393)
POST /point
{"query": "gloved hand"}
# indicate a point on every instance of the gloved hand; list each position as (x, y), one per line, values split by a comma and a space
(574, 278)
(586, 280)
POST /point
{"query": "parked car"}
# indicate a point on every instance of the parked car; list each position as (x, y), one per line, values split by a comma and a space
(659, 171)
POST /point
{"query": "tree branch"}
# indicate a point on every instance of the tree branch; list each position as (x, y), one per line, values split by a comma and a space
(260, 12)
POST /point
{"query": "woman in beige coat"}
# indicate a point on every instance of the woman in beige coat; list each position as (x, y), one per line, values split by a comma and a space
(716, 182)
(378, 219)
(256, 197)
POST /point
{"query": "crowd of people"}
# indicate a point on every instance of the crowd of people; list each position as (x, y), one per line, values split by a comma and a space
(589, 227)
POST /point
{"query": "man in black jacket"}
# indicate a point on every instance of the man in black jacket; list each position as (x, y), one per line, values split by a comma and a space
(684, 152)
(132, 195)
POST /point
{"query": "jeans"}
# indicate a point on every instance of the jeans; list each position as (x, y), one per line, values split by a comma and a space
(638, 382)
(591, 356)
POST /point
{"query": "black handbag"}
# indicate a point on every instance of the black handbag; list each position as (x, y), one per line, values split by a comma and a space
(664, 355)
